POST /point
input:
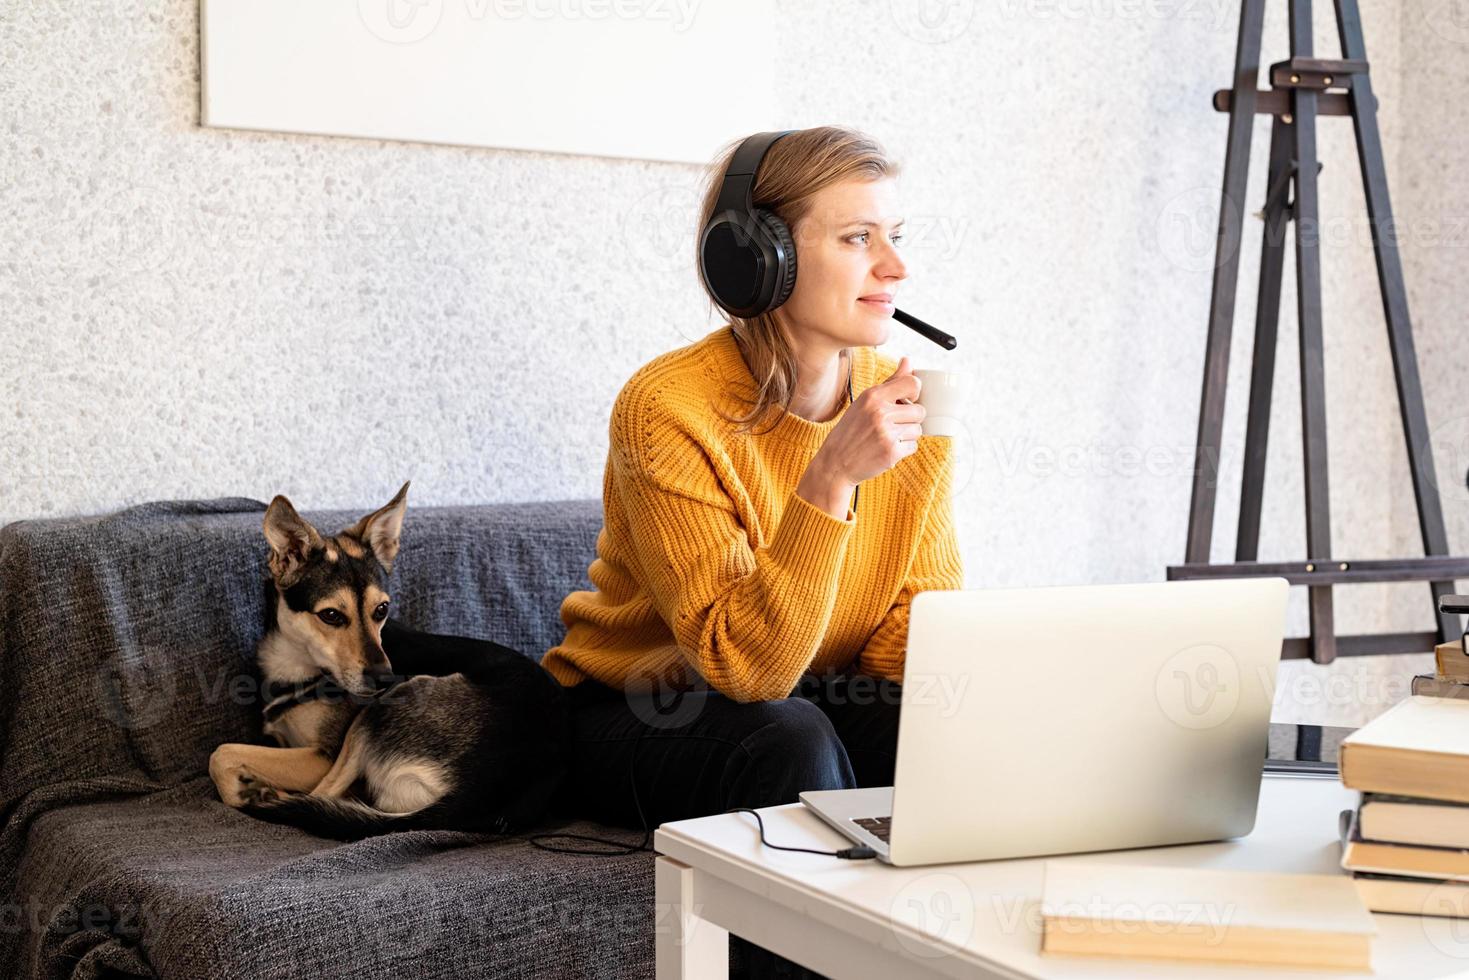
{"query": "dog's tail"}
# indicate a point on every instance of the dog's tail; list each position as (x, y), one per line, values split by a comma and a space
(343, 819)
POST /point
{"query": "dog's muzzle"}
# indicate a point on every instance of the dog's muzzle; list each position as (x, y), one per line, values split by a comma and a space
(379, 678)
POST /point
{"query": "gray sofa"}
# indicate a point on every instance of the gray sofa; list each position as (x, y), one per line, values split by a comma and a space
(127, 654)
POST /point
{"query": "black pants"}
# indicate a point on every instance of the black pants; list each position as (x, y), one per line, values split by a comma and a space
(698, 753)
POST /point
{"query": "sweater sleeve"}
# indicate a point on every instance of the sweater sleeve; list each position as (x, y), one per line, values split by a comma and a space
(937, 565)
(750, 621)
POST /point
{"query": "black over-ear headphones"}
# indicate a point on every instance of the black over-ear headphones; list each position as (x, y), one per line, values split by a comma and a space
(746, 254)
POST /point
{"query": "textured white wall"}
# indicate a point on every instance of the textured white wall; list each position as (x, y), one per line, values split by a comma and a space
(190, 312)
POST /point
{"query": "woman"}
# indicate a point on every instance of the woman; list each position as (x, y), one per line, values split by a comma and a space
(746, 636)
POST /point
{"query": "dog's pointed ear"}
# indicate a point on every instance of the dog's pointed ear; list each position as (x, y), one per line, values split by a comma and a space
(292, 540)
(380, 529)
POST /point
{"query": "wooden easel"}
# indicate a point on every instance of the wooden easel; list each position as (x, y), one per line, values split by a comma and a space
(1301, 89)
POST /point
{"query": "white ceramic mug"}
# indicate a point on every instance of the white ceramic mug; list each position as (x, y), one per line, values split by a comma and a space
(941, 393)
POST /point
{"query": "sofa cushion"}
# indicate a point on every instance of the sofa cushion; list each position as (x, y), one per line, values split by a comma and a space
(179, 885)
(127, 644)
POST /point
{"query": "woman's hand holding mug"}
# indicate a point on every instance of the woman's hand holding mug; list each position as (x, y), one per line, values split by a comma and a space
(879, 429)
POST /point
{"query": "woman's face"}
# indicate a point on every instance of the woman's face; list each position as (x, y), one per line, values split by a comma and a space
(846, 259)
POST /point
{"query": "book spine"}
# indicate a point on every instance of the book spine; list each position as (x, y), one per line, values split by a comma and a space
(1432, 686)
(1434, 897)
(1416, 800)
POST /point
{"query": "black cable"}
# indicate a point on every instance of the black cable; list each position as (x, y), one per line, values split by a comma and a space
(849, 853)
(626, 848)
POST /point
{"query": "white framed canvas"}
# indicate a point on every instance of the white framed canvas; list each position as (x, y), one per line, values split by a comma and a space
(647, 79)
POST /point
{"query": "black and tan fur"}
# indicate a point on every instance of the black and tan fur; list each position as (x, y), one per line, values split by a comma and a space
(380, 727)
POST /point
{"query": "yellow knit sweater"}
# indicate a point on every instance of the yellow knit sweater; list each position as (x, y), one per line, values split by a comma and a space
(708, 561)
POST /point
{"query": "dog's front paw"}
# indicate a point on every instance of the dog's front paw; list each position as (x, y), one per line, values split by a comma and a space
(255, 791)
(227, 769)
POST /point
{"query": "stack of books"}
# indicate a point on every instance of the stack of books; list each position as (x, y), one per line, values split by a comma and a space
(1407, 842)
(1451, 676)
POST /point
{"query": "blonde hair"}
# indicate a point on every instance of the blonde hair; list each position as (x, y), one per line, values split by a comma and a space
(795, 168)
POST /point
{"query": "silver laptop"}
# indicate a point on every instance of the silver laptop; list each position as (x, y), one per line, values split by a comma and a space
(1058, 720)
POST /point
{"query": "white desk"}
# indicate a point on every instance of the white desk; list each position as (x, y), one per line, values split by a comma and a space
(856, 920)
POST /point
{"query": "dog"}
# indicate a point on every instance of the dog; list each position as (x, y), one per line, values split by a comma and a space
(380, 727)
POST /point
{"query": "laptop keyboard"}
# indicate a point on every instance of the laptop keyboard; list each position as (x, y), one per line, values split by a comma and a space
(878, 827)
